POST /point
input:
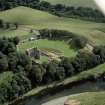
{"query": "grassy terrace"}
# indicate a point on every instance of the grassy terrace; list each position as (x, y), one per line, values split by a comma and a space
(39, 20)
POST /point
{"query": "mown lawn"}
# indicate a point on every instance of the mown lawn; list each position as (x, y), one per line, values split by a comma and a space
(5, 77)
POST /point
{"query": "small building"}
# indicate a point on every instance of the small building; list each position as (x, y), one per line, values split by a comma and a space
(33, 53)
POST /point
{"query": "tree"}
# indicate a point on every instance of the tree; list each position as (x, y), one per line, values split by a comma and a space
(10, 48)
(36, 75)
(100, 51)
(45, 5)
(78, 42)
(1, 23)
(59, 7)
(12, 61)
(51, 69)
(25, 61)
(16, 40)
(3, 62)
(50, 74)
(16, 25)
(66, 63)
(14, 87)
(60, 74)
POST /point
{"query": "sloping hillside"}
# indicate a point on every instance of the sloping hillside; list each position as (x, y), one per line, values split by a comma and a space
(76, 3)
(25, 15)
(39, 20)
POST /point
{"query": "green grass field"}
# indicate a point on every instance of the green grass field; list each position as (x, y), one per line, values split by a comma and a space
(39, 20)
(89, 98)
(76, 3)
(60, 46)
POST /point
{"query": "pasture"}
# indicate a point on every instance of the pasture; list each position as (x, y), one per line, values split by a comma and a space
(39, 20)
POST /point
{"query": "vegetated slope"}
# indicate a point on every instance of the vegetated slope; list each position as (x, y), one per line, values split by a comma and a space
(95, 72)
(75, 3)
(89, 98)
(39, 20)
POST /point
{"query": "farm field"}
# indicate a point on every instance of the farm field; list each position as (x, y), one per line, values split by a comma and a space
(76, 3)
(39, 20)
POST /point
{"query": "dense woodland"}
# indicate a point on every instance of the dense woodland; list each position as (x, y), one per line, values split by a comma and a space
(28, 74)
(59, 9)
